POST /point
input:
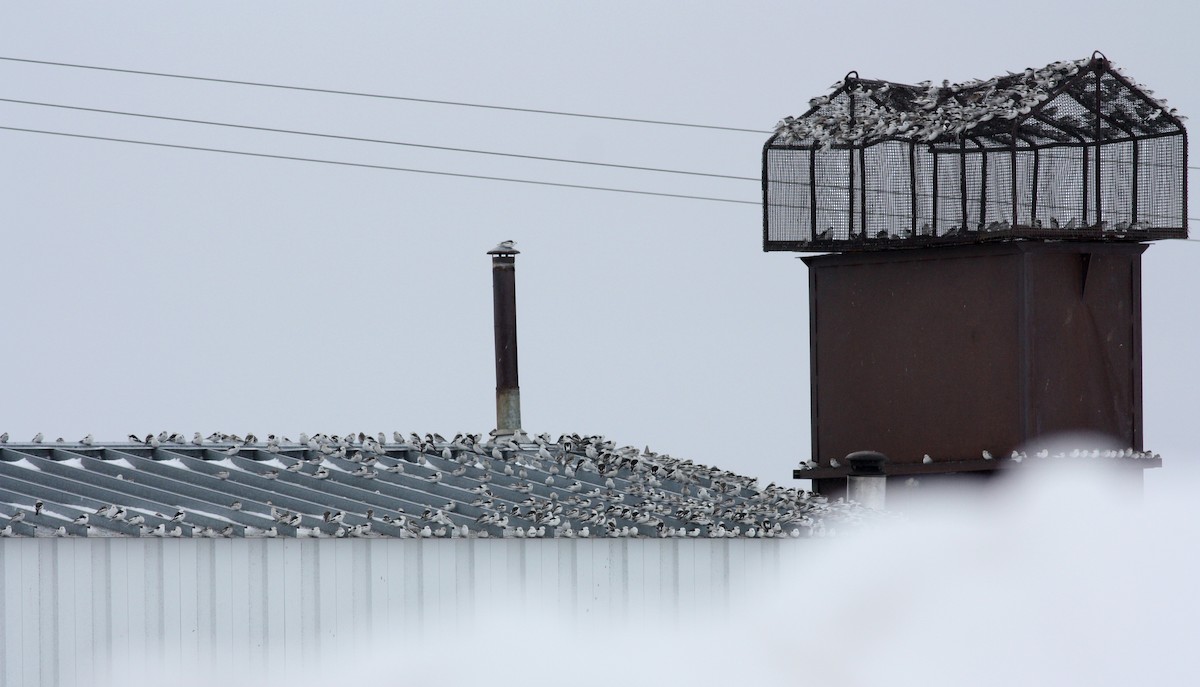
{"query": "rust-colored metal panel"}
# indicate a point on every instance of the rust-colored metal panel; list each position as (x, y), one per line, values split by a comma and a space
(1085, 341)
(911, 349)
(950, 351)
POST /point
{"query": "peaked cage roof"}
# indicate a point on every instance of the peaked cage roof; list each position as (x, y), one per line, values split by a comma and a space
(1068, 102)
(1074, 150)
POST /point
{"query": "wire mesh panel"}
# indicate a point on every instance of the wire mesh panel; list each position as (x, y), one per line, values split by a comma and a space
(856, 177)
(998, 198)
(1160, 190)
(833, 194)
(1060, 187)
(970, 193)
(948, 177)
(889, 192)
(788, 207)
(1027, 162)
(1071, 151)
(923, 177)
(1116, 185)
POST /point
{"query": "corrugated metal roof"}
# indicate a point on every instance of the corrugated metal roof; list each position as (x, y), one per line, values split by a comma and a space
(329, 486)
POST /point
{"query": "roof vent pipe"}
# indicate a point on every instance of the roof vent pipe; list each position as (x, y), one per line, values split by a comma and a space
(504, 296)
(867, 481)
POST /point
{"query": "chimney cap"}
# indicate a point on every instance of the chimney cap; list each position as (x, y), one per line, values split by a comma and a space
(504, 248)
(866, 463)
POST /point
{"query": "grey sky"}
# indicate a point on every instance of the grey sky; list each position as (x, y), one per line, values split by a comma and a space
(148, 289)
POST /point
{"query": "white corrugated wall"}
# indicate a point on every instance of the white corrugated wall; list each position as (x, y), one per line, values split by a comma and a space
(71, 607)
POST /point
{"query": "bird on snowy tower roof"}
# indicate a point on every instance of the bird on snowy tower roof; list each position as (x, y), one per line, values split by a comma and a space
(1075, 150)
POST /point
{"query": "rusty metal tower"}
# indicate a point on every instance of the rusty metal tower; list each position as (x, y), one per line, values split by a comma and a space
(981, 282)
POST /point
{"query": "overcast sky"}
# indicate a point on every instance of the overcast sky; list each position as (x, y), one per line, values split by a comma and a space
(149, 288)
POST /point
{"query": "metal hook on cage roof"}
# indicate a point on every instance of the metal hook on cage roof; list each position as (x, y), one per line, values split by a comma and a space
(846, 79)
(1103, 57)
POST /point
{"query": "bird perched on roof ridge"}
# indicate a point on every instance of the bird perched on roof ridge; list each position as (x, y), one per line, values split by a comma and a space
(37, 438)
(505, 246)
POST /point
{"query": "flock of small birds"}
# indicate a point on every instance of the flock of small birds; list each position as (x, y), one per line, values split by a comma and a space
(500, 485)
(1021, 456)
(40, 438)
(998, 226)
(863, 112)
(929, 112)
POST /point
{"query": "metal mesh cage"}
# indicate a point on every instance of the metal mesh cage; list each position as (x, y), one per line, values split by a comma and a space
(1071, 151)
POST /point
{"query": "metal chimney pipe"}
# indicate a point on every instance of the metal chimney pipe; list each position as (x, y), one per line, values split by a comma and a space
(504, 297)
(867, 482)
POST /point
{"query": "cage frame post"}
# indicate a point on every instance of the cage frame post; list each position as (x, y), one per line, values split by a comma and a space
(962, 172)
(912, 186)
(1099, 136)
(812, 189)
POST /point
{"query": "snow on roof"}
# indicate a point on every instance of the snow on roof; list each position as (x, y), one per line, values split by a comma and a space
(357, 485)
(1031, 107)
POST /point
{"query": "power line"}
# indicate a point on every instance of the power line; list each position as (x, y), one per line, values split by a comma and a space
(425, 146)
(310, 89)
(364, 165)
(383, 167)
(377, 140)
(422, 171)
